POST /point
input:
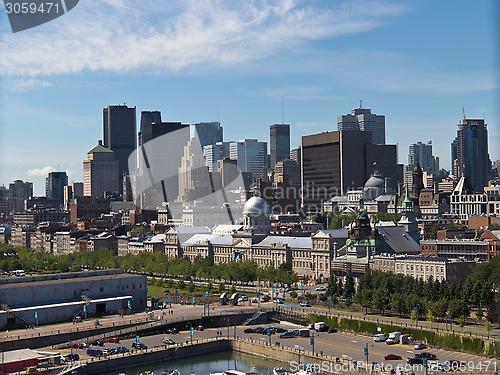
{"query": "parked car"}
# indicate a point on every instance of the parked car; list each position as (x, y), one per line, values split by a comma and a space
(97, 343)
(114, 340)
(243, 299)
(121, 349)
(287, 335)
(200, 328)
(332, 330)
(265, 298)
(167, 341)
(249, 330)
(139, 345)
(321, 289)
(415, 361)
(70, 357)
(80, 345)
(392, 357)
(95, 352)
(390, 341)
(278, 301)
(305, 304)
(172, 331)
(259, 330)
(419, 346)
(425, 355)
(281, 330)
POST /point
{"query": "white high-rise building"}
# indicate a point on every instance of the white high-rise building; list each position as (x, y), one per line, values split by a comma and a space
(251, 156)
(100, 172)
(362, 119)
(215, 152)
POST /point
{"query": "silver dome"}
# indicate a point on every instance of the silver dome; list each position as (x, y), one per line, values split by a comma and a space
(256, 206)
(375, 182)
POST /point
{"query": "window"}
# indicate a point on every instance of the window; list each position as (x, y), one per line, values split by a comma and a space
(101, 289)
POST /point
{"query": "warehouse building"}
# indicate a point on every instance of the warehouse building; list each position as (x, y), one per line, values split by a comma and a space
(54, 298)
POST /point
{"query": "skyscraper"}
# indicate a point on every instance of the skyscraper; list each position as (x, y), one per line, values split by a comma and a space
(119, 132)
(147, 119)
(159, 157)
(208, 133)
(279, 143)
(54, 186)
(422, 153)
(335, 162)
(362, 119)
(472, 158)
(21, 191)
(100, 172)
(215, 152)
(251, 156)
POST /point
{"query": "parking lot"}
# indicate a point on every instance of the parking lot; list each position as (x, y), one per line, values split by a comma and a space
(339, 344)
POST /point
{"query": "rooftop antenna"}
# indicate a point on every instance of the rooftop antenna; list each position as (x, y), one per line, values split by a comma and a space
(218, 115)
(282, 110)
(360, 104)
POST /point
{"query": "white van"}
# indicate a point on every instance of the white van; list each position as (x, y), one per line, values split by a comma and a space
(18, 273)
(380, 337)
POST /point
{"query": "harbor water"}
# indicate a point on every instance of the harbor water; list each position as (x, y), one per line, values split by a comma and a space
(207, 364)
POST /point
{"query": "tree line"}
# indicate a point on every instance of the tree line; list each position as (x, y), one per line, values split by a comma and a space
(154, 263)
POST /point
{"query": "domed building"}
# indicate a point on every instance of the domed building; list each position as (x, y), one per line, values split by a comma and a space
(256, 216)
(374, 187)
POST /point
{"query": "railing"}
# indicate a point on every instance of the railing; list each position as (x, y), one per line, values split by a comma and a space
(386, 320)
(143, 322)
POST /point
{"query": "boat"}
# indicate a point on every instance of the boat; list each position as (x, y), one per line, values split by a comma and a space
(279, 371)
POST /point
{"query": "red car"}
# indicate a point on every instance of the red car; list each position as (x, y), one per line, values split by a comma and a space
(390, 357)
(79, 345)
(114, 340)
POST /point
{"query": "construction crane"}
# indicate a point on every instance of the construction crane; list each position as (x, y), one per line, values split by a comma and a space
(463, 111)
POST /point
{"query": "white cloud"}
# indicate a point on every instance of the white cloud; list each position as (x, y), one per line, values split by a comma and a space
(122, 36)
(40, 172)
(19, 85)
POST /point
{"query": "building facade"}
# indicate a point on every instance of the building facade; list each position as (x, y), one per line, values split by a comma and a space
(54, 186)
(250, 155)
(279, 143)
(100, 172)
(471, 153)
(119, 134)
(362, 119)
(208, 133)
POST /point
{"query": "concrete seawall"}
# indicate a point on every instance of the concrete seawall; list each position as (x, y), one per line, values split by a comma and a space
(163, 354)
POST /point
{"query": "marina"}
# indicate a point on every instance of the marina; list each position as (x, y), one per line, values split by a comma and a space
(216, 363)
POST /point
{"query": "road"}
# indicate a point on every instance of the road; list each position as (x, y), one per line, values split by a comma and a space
(334, 344)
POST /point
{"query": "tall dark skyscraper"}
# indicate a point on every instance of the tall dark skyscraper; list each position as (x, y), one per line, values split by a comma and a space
(54, 186)
(208, 133)
(279, 143)
(148, 118)
(335, 162)
(363, 119)
(471, 150)
(119, 132)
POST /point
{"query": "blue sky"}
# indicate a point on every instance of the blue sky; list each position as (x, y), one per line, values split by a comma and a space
(416, 62)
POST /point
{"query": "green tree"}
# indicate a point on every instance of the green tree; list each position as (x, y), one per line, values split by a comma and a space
(413, 317)
(191, 287)
(293, 294)
(488, 327)
(181, 284)
(479, 314)
(222, 287)
(349, 289)
(232, 290)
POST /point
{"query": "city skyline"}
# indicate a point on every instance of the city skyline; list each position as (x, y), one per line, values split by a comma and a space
(407, 63)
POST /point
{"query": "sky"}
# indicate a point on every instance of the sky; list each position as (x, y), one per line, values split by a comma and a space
(416, 62)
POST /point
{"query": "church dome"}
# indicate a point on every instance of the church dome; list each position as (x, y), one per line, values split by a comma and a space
(375, 182)
(256, 206)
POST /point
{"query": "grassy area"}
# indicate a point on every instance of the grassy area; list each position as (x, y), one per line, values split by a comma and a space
(158, 289)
